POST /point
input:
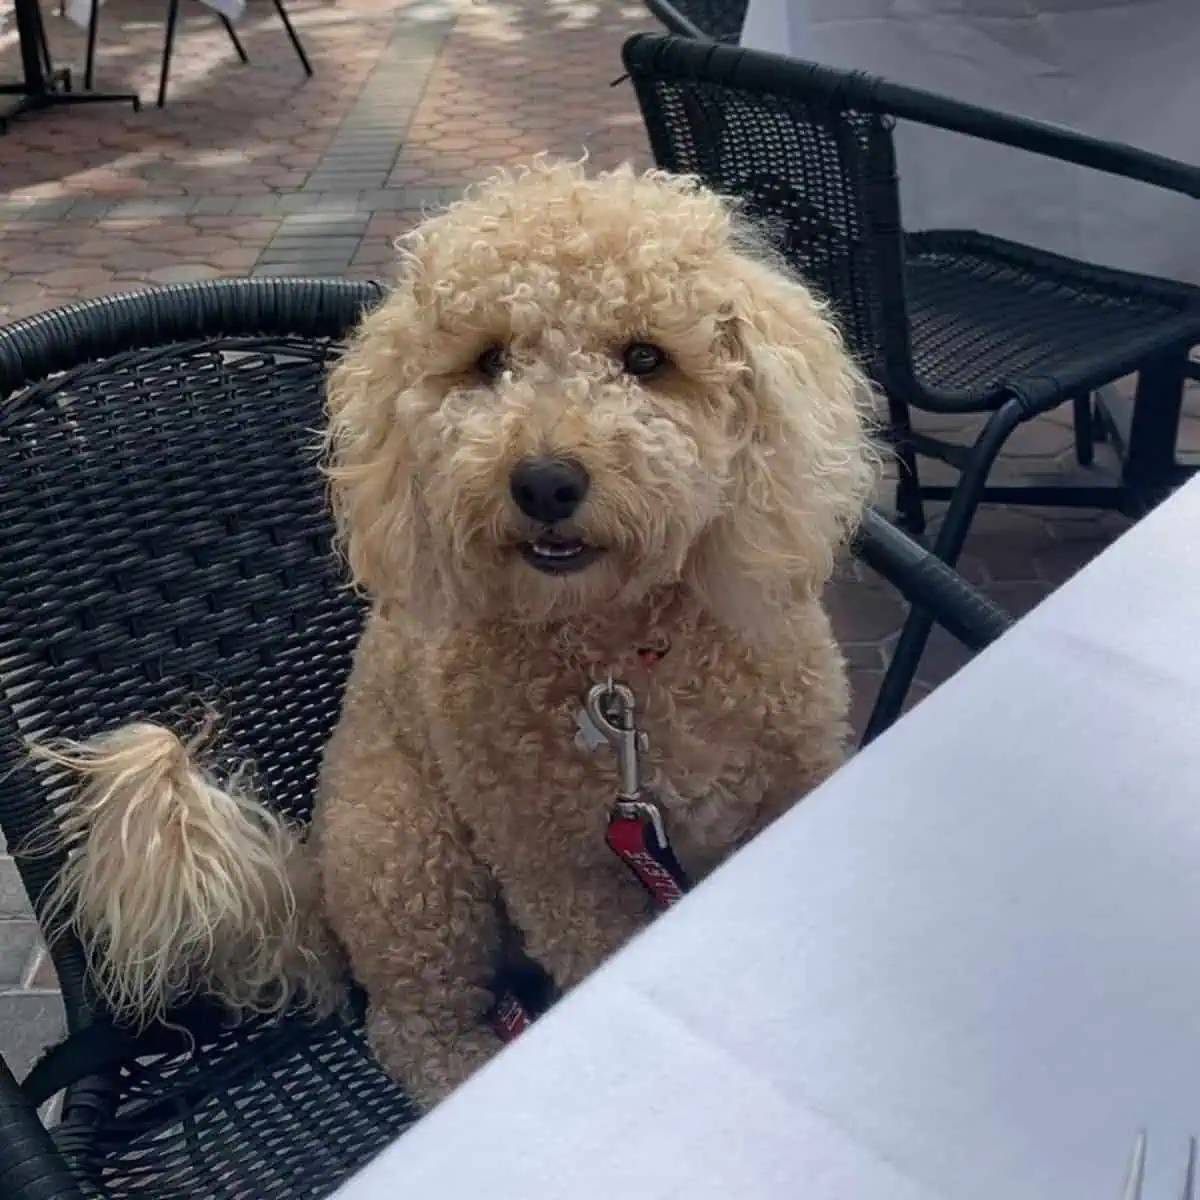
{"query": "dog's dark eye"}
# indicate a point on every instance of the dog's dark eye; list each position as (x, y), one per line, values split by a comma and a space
(643, 358)
(491, 362)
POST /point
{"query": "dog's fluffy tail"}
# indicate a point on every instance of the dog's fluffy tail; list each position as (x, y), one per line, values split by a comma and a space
(178, 885)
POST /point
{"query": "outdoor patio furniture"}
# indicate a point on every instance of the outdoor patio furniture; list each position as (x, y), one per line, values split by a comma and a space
(41, 86)
(950, 322)
(706, 20)
(172, 22)
(167, 543)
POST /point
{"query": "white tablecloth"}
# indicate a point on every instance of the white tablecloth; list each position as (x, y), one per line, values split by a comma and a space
(1119, 69)
(965, 969)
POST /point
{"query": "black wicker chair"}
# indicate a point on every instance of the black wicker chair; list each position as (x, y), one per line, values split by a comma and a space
(166, 539)
(948, 322)
(705, 20)
(168, 49)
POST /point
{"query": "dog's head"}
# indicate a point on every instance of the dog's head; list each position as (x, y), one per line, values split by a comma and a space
(583, 390)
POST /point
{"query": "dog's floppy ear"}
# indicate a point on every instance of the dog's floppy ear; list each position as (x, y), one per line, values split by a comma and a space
(804, 464)
(377, 509)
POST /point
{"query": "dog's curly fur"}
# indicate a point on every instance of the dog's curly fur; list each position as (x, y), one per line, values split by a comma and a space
(456, 816)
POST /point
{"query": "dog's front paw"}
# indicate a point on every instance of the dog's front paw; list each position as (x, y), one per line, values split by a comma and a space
(428, 1067)
(431, 1079)
(590, 921)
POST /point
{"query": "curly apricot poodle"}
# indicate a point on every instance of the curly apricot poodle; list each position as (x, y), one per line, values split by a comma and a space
(593, 417)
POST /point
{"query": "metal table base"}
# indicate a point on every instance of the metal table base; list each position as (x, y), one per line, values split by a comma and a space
(42, 87)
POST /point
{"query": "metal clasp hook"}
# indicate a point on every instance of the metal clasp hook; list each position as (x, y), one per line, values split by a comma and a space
(612, 708)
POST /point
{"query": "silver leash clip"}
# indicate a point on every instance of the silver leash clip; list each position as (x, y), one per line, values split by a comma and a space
(612, 709)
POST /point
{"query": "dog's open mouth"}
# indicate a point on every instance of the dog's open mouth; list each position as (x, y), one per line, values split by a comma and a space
(555, 555)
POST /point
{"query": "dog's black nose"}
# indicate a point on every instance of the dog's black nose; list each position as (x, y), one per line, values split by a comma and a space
(548, 489)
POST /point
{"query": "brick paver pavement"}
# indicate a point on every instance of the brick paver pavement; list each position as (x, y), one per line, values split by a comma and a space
(253, 169)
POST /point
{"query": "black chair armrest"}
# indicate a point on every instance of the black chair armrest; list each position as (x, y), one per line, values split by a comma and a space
(861, 92)
(31, 1168)
(927, 582)
(673, 20)
(63, 338)
(1037, 137)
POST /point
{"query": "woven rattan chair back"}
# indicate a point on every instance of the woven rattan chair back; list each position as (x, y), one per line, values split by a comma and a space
(165, 546)
(818, 177)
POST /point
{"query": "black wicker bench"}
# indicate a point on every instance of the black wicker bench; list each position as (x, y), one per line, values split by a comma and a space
(166, 540)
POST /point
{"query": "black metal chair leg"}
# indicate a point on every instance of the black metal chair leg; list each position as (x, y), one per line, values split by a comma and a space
(910, 507)
(233, 37)
(44, 51)
(89, 62)
(1085, 425)
(1150, 458)
(168, 47)
(295, 38)
(947, 547)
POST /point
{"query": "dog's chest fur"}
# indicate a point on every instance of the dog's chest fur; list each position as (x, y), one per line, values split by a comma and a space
(504, 715)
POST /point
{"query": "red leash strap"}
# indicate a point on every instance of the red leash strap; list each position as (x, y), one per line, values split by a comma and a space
(636, 832)
(637, 837)
(510, 1017)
